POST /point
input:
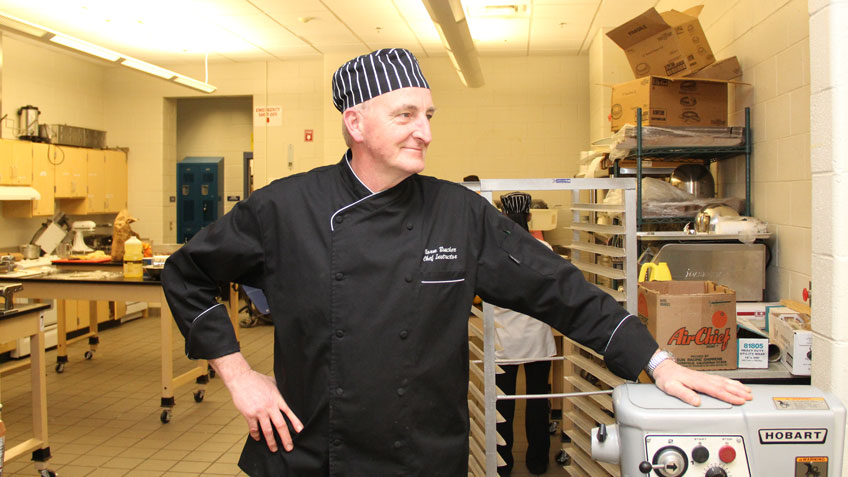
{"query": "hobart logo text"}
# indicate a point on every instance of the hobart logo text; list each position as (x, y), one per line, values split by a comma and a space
(793, 436)
(705, 336)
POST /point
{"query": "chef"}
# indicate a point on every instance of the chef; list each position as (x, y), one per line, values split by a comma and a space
(370, 270)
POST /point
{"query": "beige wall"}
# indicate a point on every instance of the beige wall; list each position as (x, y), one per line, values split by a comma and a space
(771, 40)
(829, 105)
(65, 88)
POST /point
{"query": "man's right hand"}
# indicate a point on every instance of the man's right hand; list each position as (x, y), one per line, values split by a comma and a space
(257, 398)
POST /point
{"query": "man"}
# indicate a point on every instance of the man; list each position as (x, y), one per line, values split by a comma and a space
(370, 270)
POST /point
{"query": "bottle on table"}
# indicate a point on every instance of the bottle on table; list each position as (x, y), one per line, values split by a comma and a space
(133, 258)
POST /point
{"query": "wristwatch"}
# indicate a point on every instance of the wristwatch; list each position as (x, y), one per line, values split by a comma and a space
(655, 361)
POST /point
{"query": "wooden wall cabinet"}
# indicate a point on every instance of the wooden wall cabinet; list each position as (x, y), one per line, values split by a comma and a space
(43, 180)
(15, 162)
(72, 173)
(106, 184)
(85, 181)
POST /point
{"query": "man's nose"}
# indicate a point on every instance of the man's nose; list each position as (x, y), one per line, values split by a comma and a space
(422, 130)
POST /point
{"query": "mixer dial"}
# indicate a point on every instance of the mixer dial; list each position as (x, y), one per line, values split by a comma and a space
(715, 472)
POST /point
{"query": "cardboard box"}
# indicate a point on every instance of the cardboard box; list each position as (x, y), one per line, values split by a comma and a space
(671, 43)
(778, 311)
(669, 102)
(753, 353)
(754, 312)
(795, 341)
(694, 320)
(726, 69)
(792, 333)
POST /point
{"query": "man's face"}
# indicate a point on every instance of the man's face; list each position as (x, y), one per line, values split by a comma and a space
(397, 129)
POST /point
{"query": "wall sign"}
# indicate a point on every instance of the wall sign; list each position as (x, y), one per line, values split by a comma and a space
(268, 115)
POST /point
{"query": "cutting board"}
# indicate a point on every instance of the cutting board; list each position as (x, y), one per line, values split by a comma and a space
(79, 260)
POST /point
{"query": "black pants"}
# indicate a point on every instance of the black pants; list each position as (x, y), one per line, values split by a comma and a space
(536, 419)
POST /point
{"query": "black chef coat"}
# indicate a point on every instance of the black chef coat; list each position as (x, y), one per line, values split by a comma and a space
(370, 296)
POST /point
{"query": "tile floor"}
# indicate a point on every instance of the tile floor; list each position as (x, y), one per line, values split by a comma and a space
(103, 414)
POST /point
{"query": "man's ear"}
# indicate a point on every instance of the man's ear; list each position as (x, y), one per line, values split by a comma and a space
(354, 124)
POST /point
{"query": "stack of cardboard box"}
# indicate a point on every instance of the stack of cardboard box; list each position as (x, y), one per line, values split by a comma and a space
(678, 81)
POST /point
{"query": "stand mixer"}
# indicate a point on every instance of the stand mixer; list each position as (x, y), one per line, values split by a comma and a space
(78, 228)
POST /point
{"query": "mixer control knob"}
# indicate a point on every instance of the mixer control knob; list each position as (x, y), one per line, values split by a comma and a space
(715, 472)
(670, 461)
(700, 454)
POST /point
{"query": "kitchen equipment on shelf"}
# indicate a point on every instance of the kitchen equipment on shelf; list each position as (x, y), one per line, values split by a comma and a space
(695, 179)
(30, 251)
(28, 123)
(711, 214)
(79, 243)
(739, 266)
(51, 233)
(654, 272)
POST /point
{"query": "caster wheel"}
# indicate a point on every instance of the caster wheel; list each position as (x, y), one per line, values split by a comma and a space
(562, 458)
(165, 417)
(211, 373)
(89, 354)
(198, 395)
(552, 427)
(60, 368)
(47, 473)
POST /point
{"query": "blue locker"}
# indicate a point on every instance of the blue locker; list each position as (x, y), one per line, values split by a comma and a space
(200, 194)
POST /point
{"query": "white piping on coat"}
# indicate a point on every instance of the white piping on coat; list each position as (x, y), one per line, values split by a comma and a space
(204, 312)
(616, 329)
(347, 161)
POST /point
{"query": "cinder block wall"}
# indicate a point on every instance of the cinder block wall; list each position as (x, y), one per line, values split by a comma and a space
(829, 120)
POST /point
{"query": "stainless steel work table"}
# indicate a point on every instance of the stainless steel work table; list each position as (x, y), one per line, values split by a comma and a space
(28, 321)
(79, 285)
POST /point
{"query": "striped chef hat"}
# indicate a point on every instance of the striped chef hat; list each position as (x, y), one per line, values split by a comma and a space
(371, 75)
(516, 203)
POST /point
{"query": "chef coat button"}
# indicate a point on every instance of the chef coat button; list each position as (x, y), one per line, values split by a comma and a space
(404, 334)
(339, 276)
(339, 333)
(339, 391)
(405, 381)
(398, 444)
(339, 219)
(408, 278)
(409, 226)
(401, 391)
(337, 442)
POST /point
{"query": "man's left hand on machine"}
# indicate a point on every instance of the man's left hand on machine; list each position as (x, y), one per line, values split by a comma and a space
(685, 384)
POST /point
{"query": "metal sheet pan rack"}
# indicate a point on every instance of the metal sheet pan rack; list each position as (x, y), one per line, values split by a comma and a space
(483, 393)
(707, 154)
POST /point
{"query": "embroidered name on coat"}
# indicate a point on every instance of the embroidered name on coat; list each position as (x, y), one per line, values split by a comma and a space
(440, 253)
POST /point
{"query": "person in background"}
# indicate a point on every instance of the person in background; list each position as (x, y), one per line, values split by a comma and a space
(371, 269)
(523, 340)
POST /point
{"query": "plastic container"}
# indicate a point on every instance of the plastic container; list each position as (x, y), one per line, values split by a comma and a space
(133, 258)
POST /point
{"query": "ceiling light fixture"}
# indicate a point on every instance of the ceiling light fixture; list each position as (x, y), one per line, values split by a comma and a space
(148, 68)
(453, 29)
(38, 32)
(86, 47)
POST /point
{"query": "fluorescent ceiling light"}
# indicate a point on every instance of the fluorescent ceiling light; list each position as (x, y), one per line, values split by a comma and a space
(148, 68)
(86, 47)
(453, 29)
(51, 36)
(196, 84)
(22, 26)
